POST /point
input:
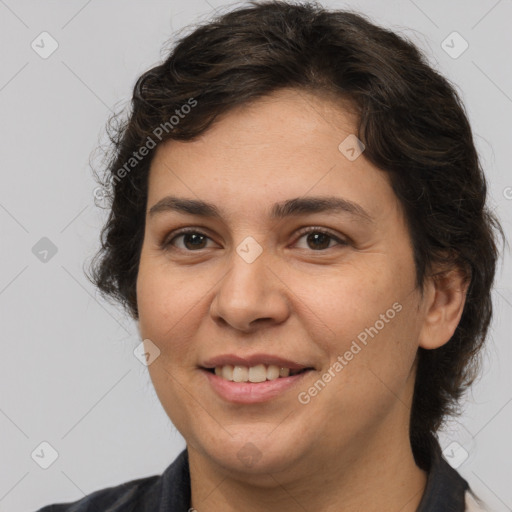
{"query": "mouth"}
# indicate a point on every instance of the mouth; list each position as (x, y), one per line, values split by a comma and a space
(255, 374)
(238, 384)
(255, 378)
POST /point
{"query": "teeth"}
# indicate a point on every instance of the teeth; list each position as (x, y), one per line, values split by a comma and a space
(258, 373)
(240, 374)
(272, 372)
(227, 372)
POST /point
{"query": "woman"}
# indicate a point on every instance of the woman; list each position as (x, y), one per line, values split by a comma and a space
(299, 226)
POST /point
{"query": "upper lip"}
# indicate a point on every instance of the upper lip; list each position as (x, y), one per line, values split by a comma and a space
(253, 360)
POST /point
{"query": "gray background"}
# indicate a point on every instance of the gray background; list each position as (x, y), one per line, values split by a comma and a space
(68, 373)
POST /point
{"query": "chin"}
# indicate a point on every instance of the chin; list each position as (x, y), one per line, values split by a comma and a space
(249, 454)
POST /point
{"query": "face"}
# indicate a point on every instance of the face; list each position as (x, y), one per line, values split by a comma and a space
(326, 292)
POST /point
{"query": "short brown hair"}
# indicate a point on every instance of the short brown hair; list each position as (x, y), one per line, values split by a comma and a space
(411, 121)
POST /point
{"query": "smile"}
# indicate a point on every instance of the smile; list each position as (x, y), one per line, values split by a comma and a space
(252, 378)
(254, 374)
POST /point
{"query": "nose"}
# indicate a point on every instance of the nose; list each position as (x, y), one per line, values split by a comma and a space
(251, 294)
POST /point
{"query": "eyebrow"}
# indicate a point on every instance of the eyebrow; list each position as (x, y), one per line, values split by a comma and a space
(291, 207)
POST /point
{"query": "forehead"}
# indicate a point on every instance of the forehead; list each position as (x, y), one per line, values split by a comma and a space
(283, 146)
(284, 124)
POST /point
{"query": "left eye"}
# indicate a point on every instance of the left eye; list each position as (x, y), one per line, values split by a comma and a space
(321, 239)
(196, 239)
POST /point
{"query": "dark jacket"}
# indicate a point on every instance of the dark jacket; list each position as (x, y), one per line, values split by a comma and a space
(446, 491)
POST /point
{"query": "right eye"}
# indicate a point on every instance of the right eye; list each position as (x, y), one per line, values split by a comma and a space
(192, 240)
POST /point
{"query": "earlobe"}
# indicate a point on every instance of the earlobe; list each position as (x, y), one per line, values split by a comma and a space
(445, 298)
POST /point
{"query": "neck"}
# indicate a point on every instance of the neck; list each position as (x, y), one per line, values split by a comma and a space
(377, 473)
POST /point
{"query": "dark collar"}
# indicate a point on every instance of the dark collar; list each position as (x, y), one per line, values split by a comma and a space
(444, 492)
(446, 489)
(175, 486)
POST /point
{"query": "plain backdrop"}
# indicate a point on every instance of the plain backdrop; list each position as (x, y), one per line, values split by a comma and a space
(69, 377)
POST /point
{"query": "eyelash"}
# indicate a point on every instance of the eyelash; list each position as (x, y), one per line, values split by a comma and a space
(168, 245)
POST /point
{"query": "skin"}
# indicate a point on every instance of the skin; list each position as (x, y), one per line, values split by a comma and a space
(295, 300)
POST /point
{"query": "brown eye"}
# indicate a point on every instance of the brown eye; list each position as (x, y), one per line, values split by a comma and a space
(319, 240)
(192, 240)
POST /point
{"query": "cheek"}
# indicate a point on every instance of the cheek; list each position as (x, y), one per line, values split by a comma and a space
(155, 298)
(351, 301)
(388, 345)
(169, 304)
(370, 321)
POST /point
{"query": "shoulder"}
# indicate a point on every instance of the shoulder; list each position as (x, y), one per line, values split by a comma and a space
(168, 491)
(473, 504)
(119, 498)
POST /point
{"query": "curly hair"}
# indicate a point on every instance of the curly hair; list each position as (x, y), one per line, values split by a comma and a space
(411, 121)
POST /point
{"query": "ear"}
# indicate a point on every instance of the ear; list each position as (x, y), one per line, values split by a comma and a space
(443, 304)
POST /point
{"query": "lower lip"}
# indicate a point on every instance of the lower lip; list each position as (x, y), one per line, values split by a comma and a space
(252, 392)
